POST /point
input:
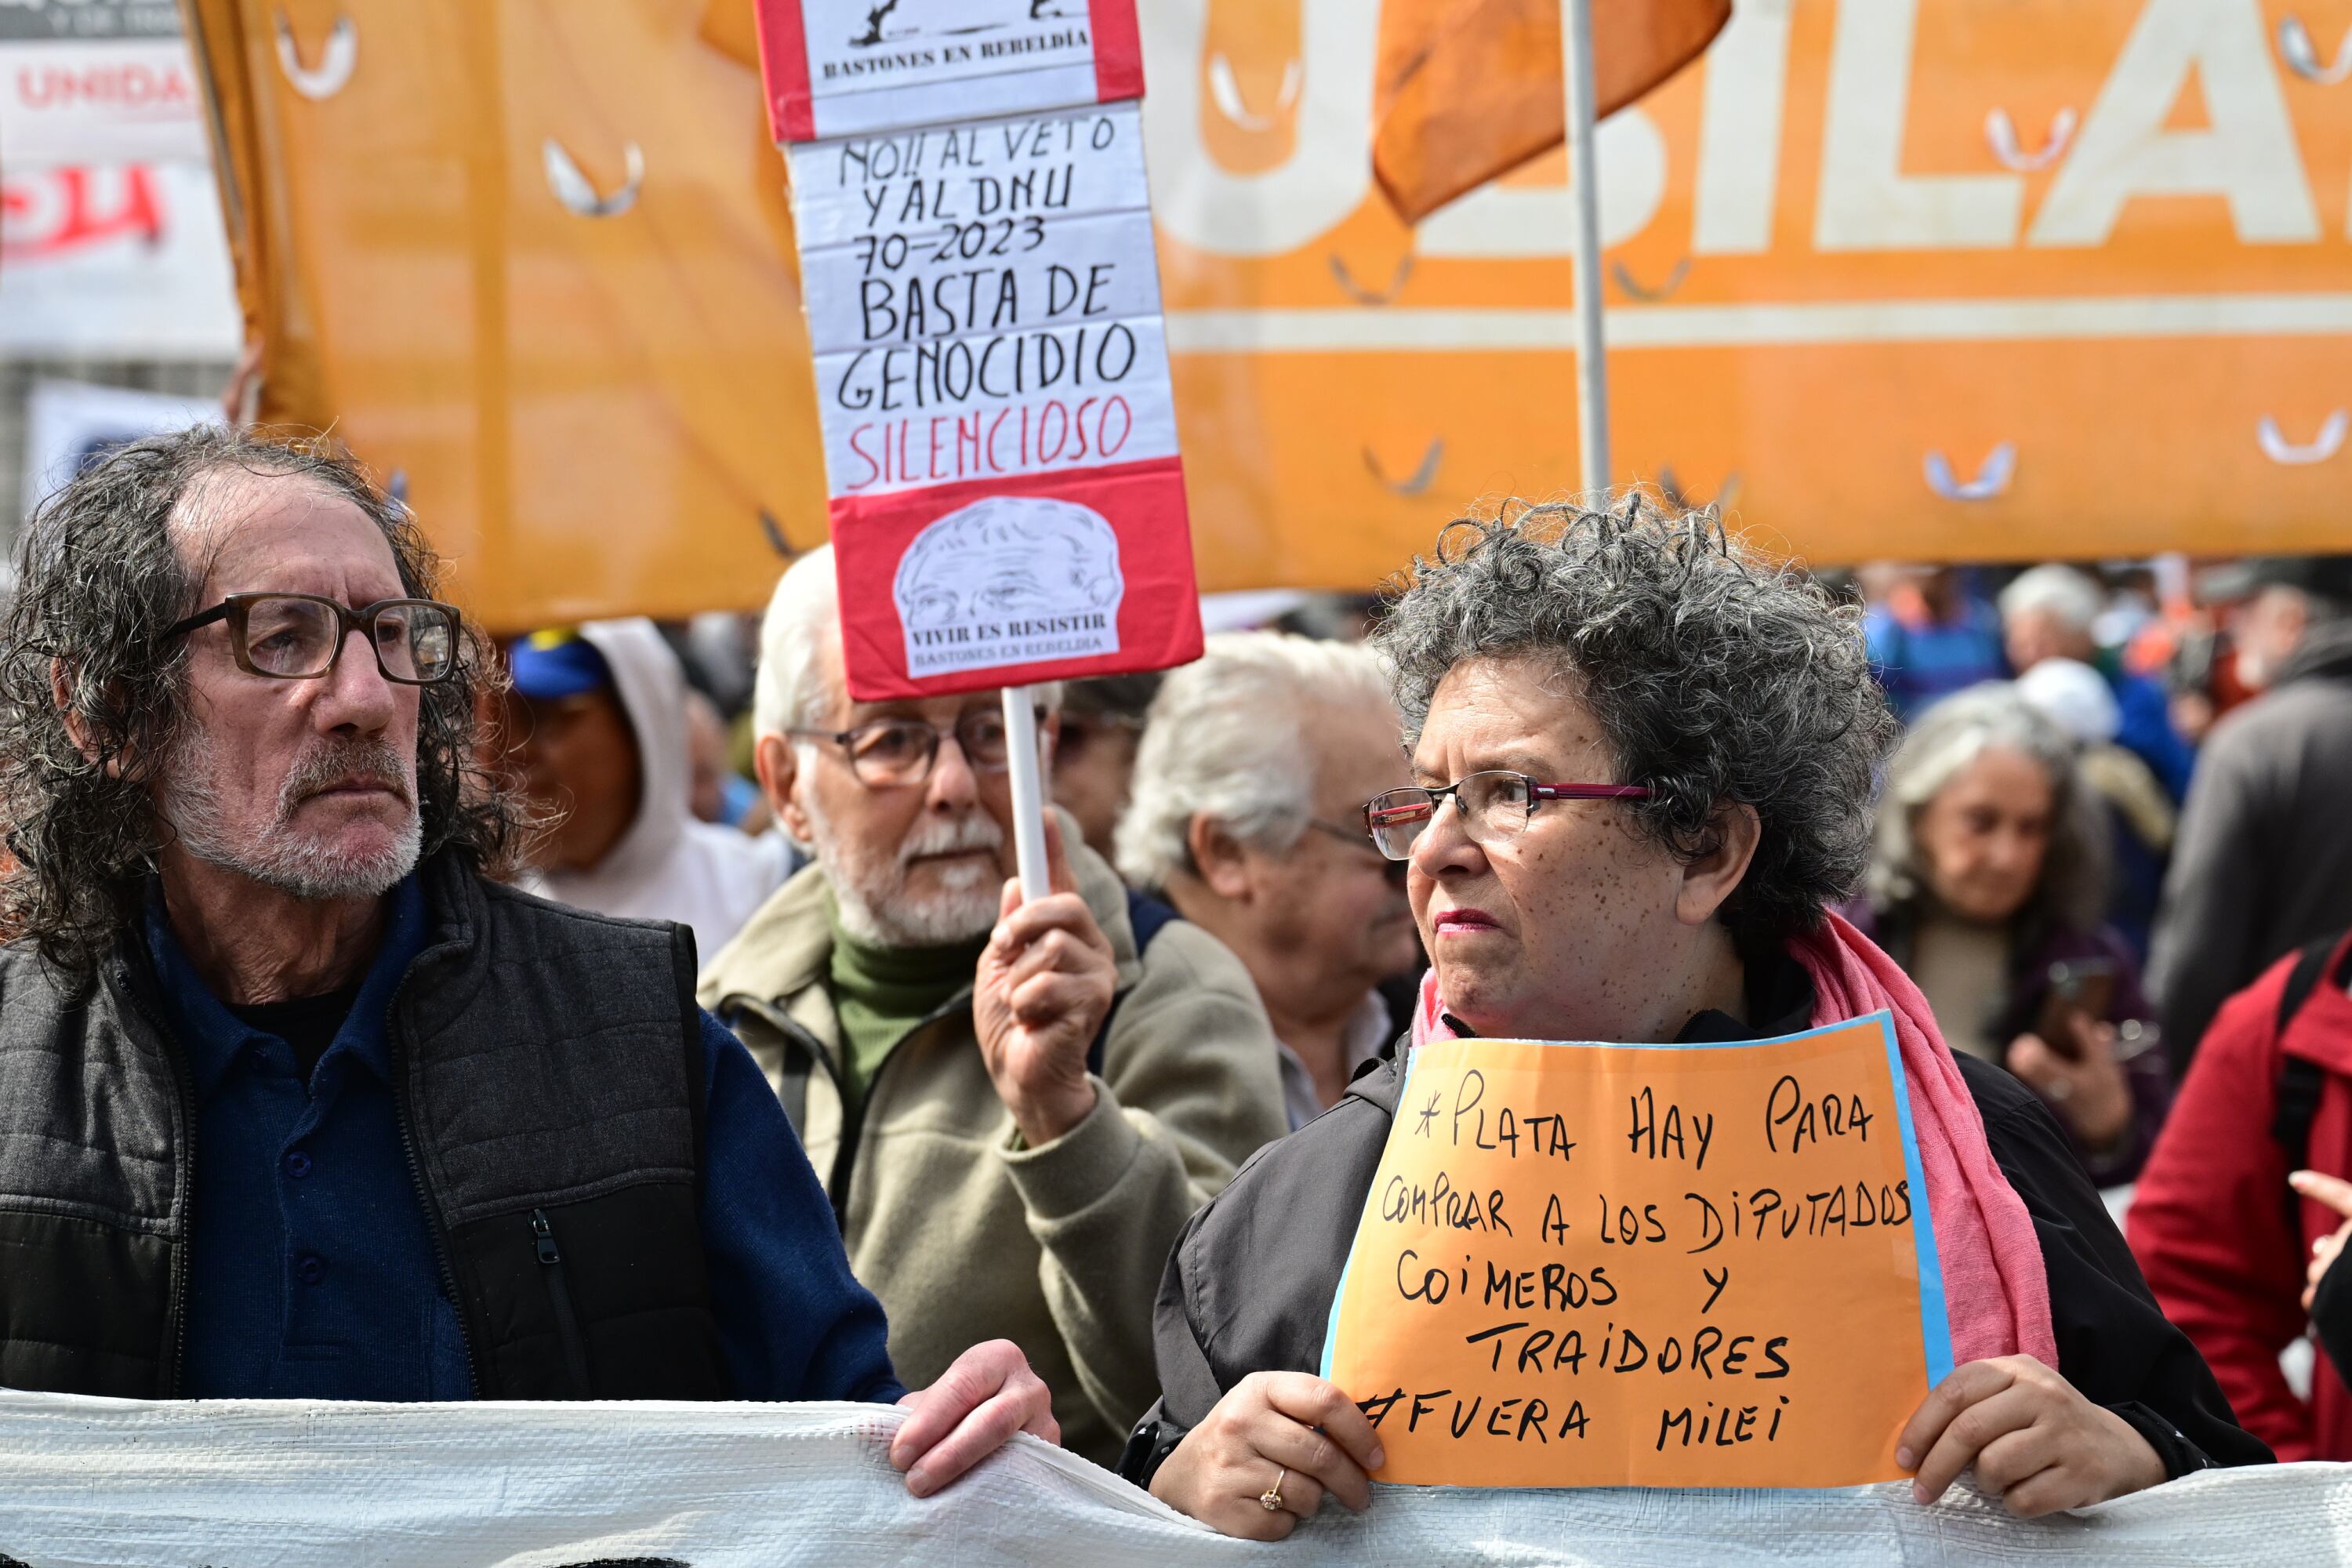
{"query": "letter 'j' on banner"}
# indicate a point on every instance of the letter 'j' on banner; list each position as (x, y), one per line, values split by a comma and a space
(1006, 499)
(1590, 1265)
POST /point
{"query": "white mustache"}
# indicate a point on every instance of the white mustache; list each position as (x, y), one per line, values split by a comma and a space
(932, 836)
(373, 761)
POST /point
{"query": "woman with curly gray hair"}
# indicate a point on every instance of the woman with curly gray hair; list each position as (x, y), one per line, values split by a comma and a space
(1989, 888)
(1644, 760)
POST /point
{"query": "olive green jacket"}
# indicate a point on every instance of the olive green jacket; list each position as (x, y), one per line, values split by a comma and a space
(964, 1234)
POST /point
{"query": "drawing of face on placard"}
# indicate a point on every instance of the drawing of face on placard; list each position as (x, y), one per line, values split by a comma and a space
(1009, 580)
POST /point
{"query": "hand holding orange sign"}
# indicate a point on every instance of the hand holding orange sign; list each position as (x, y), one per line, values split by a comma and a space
(1653, 1266)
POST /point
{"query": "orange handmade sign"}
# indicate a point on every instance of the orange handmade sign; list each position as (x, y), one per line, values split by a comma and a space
(1587, 1265)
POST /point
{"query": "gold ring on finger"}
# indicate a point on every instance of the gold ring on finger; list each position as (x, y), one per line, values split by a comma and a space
(1270, 1500)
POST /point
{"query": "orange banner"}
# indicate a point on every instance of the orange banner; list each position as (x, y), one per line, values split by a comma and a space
(533, 261)
(1909, 278)
(1889, 278)
(1588, 1264)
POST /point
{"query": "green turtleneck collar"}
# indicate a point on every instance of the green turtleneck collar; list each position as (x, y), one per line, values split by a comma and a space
(880, 994)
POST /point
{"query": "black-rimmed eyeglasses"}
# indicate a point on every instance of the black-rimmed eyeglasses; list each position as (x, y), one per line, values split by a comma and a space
(1495, 804)
(299, 637)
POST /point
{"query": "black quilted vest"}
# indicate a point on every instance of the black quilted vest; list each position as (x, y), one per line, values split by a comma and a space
(548, 1069)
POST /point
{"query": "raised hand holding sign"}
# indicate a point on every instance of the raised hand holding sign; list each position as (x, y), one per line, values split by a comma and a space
(1007, 505)
(1042, 991)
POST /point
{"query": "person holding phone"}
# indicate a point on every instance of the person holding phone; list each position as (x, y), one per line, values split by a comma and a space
(1987, 885)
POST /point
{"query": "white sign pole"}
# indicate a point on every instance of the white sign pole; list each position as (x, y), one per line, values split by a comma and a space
(1021, 754)
(1591, 357)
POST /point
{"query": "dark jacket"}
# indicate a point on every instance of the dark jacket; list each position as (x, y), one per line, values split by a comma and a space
(2223, 1239)
(2263, 862)
(1250, 1284)
(495, 1078)
(2032, 954)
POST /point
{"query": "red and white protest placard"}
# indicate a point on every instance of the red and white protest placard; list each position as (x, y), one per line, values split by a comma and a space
(1007, 502)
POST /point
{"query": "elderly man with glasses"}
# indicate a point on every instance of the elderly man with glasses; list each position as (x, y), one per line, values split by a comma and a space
(1015, 1107)
(1248, 818)
(295, 1100)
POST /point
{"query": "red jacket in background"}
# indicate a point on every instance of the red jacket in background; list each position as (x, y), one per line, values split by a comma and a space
(2211, 1223)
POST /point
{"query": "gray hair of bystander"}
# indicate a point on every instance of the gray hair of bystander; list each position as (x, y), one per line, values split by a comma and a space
(1226, 738)
(1717, 678)
(2073, 889)
(789, 690)
(794, 689)
(101, 575)
(2066, 592)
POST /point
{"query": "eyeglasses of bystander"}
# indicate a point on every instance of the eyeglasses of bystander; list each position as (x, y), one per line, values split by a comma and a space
(1495, 805)
(1080, 731)
(1393, 870)
(299, 637)
(888, 752)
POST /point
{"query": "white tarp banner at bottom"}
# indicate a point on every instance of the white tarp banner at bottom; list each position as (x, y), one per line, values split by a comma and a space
(271, 1484)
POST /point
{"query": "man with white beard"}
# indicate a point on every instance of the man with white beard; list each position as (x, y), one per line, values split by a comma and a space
(295, 1100)
(1015, 1107)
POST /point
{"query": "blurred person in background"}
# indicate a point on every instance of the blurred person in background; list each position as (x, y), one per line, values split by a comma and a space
(1330, 617)
(1928, 635)
(1014, 1105)
(2051, 612)
(719, 647)
(1248, 819)
(2264, 860)
(597, 731)
(2240, 1217)
(1988, 885)
(2134, 604)
(456, 1142)
(2142, 817)
(1093, 752)
(716, 791)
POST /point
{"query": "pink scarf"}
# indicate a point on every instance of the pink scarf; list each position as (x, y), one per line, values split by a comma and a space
(1995, 1291)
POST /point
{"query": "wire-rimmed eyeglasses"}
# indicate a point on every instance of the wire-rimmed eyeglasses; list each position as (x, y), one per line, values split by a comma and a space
(1495, 803)
(889, 751)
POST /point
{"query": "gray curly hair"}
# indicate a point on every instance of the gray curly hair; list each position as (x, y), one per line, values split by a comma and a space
(2071, 891)
(101, 577)
(1717, 678)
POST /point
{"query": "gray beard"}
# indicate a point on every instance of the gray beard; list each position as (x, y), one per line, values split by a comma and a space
(280, 858)
(871, 900)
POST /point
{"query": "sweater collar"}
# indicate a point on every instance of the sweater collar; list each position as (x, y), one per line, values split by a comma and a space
(211, 1035)
(909, 983)
(2326, 651)
(787, 946)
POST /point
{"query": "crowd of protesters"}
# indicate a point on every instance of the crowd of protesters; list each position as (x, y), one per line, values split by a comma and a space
(627, 1011)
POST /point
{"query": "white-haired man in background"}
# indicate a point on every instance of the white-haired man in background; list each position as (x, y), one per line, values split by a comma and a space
(2050, 612)
(1014, 1107)
(1248, 815)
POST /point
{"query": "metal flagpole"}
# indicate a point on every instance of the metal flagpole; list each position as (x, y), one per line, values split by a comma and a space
(1592, 356)
(1028, 790)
